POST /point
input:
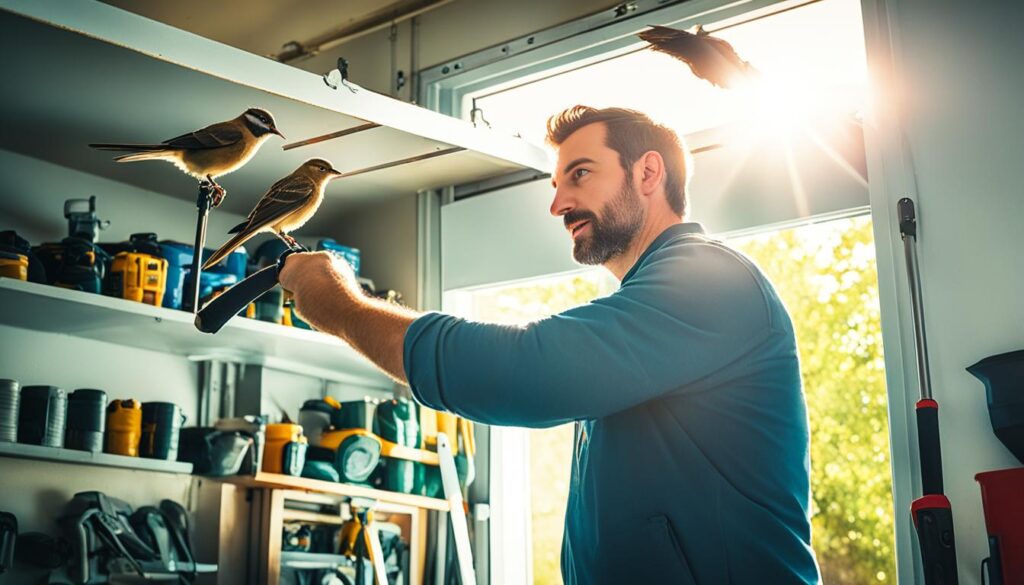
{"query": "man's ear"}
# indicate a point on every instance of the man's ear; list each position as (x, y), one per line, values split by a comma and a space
(651, 170)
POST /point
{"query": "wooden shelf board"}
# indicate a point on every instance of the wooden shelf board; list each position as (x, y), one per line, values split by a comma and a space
(279, 481)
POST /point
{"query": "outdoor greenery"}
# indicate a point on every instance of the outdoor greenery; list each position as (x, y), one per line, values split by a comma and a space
(827, 279)
(826, 276)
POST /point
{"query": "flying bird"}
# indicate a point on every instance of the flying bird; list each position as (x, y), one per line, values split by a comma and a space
(210, 152)
(285, 207)
(710, 58)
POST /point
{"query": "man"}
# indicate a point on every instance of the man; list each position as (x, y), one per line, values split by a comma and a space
(691, 456)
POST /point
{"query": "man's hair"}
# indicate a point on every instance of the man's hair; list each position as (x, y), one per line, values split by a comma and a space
(631, 134)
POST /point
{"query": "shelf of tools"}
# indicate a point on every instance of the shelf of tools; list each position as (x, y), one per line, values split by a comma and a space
(81, 73)
(326, 491)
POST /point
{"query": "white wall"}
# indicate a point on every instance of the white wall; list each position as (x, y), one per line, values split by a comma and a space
(957, 67)
(386, 236)
(32, 202)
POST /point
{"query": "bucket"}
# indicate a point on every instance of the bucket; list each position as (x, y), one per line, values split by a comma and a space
(124, 427)
(9, 395)
(86, 420)
(161, 425)
(1002, 496)
(41, 416)
(285, 450)
(315, 418)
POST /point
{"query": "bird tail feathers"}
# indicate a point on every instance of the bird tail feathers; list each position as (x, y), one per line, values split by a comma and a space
(131, 147)
(238, 228)
(150, 155)
(228, 247)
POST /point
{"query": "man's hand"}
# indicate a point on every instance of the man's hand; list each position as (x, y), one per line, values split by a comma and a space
(328, 297)
(323, 286)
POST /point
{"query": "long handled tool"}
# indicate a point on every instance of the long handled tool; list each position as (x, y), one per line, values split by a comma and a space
(932, 514)
(457, 514)
(220, 310)
(204, 200)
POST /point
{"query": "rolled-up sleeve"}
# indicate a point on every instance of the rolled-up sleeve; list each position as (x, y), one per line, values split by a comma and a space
(689, 311)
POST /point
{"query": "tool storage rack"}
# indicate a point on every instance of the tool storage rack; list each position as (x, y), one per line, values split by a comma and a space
(263, 503)
(80, 71)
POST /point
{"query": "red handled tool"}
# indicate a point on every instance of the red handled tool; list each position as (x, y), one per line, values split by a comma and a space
(932, 514)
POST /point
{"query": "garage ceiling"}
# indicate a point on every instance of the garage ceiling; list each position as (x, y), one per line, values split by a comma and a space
(259, 26)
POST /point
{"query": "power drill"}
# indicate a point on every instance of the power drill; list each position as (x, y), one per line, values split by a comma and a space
(76, 262)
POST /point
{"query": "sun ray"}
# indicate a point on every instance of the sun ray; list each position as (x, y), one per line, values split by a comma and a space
(834, 156)
(799, 195)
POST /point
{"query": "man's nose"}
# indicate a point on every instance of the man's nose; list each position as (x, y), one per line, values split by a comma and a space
(562, 203)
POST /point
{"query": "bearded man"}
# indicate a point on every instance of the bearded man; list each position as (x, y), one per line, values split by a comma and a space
(691, 460)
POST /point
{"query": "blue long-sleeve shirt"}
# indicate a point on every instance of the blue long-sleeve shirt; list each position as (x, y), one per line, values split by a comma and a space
(691, 460)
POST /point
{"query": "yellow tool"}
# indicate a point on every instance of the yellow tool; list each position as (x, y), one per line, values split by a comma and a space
(138, 277)
(124, 427)
(14, 266)
(459, 429)
(285, 450)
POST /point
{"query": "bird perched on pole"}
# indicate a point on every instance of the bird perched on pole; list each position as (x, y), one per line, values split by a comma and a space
(710, 58)
(210, 152)
(285, 207)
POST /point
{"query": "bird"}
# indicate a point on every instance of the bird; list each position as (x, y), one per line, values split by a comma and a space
(209, 152)
(710, 58)
(284, 208)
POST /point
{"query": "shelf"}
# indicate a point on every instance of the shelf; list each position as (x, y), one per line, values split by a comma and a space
(278, 481)
(307, 560)
(53, 309)
(23, 451)
(89, 72)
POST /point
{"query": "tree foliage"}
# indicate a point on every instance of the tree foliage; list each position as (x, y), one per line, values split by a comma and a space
(826, 276)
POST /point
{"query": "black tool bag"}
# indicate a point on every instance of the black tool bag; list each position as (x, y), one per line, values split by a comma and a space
(109, 538)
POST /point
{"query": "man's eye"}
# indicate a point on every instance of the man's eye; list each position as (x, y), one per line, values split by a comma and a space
(578, 173)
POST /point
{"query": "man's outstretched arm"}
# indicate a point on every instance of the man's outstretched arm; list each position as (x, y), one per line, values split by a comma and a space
(328, 297)
(692, 313)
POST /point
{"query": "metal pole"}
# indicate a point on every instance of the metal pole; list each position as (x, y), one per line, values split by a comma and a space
(203, 204)
(908, 227)
(931, 513)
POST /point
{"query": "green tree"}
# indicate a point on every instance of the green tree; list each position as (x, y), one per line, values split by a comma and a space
(826, 276)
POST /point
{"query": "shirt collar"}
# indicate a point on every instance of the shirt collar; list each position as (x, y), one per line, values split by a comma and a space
(672, 231)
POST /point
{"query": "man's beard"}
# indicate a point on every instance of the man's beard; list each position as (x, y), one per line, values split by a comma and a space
(611, 235)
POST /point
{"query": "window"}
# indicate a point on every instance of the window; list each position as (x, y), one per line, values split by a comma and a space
(834, 74)
(826, 276)
(548, 451)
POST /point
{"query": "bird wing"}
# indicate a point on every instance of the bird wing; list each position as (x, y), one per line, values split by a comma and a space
(283, 197)
(709, 58)
(213, 136)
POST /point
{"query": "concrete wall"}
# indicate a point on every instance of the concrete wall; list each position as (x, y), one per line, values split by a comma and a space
(954, 67)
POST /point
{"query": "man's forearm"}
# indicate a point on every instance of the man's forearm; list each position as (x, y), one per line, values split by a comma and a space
(328, 297)
(375, 328)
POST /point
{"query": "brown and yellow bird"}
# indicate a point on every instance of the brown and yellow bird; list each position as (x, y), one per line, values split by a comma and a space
(209, 152)
(285, 207)
(710, 58)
